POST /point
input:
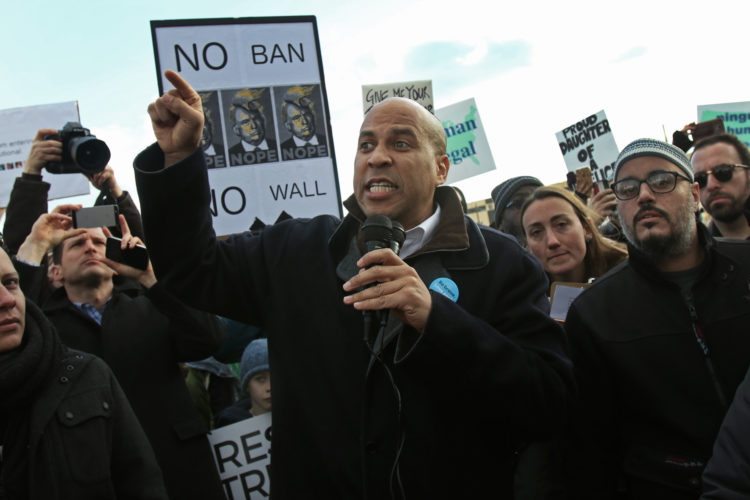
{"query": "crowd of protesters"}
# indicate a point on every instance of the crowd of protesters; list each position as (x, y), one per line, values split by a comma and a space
(433, 372)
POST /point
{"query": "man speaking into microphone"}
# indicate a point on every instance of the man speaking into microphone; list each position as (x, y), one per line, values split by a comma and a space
(465, 365)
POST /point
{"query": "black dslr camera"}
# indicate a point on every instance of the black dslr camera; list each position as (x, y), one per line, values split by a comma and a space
(81, 151)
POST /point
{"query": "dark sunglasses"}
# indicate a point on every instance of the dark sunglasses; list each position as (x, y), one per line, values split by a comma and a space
(722, 173)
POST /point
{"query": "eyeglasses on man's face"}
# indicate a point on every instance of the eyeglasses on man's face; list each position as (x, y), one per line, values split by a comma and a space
(659, 182)
(722, 173)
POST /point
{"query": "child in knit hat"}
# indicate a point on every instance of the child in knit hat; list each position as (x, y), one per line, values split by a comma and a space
(255, 380)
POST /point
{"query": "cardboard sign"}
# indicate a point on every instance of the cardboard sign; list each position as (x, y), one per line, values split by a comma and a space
(468, 148)
(18, 127)
(267, 136)
(590, 143)
(736, 117)
(419, 91)
(242, 452)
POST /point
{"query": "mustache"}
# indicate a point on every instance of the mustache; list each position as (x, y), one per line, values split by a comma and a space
(649, 208)
(716, 194)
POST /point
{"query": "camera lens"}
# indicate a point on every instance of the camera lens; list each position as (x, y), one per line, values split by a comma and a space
(89, 153)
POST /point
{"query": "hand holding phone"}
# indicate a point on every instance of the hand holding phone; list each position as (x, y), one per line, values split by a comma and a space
(97, 216)
(136, 257)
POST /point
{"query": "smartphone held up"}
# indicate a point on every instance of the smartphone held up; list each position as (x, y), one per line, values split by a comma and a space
(136, 257)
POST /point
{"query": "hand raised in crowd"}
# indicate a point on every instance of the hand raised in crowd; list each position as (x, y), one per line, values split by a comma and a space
(398, 288)
(145, 277)
(584, 187)
(603, 203)
(42, 151)
(106, 176)
(48, 231)
(177, 120)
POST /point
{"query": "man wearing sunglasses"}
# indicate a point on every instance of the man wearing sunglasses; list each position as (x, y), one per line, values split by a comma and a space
(660, 343)
(721, 164)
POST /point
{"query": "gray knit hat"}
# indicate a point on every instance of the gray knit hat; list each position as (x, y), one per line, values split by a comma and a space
(503, 192)
(652, 147)
(254, 360)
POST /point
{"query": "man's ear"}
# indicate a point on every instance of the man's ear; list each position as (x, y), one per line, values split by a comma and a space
(54, 272)
(443, 164)
(696, 192)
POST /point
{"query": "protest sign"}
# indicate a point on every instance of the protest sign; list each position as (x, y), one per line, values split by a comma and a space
(18, 127)
(267, 136)
(562, 296)
(419, 91)
(242, 452)
(736, 117)
(590, 143)
(468, 148)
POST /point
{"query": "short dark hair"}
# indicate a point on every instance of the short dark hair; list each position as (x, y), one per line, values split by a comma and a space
(57, 253)
(732, 140)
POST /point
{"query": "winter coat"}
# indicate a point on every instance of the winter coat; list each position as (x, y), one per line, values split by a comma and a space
(79, 435)
(346, 423)
(656, 373)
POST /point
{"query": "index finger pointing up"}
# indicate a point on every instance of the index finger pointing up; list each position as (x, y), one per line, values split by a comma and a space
(188, 94)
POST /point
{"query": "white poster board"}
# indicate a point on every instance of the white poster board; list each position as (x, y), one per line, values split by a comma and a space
(735, 115)
(590, 143)
(18, 127)
(562, 296)
(468, 148)
(267, 138)
(242, 452)
(419, 91)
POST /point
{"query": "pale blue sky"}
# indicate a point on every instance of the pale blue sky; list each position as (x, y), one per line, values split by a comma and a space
(533, 68)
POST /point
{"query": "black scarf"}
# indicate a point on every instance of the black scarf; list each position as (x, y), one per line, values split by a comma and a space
(23, 374)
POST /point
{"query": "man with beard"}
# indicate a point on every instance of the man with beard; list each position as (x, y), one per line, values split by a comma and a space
(721, 164)
(660, 343)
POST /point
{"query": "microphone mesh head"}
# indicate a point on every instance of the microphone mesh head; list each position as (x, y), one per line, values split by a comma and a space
(399, 235)
(376, 231)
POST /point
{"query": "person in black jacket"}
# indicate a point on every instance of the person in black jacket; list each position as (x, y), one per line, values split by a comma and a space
(126, 317)
(721, 164)
(432, 404)
(659, 343)
(67, 431)
(727, 475)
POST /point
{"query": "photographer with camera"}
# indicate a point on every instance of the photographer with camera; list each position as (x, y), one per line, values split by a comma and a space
(28, 199)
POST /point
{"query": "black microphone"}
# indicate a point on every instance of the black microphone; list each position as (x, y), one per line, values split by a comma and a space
(398, 235)
(377, 232)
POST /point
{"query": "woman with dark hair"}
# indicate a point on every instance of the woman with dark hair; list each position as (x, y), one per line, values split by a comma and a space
(66, 428)
(561, 233)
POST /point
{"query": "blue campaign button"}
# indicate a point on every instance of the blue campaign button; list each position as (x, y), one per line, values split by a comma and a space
(446, 287)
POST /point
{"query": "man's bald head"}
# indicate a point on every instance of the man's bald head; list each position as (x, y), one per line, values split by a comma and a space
(429, 123)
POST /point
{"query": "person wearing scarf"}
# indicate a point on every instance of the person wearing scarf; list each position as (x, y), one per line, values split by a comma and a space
(66, 428)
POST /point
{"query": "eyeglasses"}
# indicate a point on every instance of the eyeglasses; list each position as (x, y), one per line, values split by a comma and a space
(722, 173)
(659, 182)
